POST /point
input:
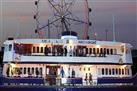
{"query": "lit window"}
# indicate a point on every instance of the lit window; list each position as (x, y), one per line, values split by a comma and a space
(88, 69)
(80, 68)
(84, 69)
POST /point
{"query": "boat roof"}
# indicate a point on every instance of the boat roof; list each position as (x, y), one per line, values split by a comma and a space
(65, 41)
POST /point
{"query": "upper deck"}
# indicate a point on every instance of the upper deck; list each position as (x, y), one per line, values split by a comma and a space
(67, 51)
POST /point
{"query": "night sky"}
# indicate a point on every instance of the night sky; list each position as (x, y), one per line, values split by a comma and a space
(16, 19)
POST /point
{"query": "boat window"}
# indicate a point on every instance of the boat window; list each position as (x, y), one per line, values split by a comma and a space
(90, 50)
(109, 71)
(88, 69)
(41, 49)
(36, 71)
(20, 70)
(80, 69)
(106, 71)
(84, 69)
(97, 50)
(99, 71)
(122, 71)
(37, 49)
(24, 70)
(113, 71)
(94, 51)
(101, 50)
(34, 50)
(87, 51)
(10, 47)
(49, 49)
(102, 71)
(41, 71)
(32, 69)
(115, 51)
(29, 71)
(128, 71)
(125, 71)
(119, 71)
(107, 51)
(104, 50)
(111, 51)
(116, 71)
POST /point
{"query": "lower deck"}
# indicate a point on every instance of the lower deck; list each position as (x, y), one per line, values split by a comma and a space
(62, 73)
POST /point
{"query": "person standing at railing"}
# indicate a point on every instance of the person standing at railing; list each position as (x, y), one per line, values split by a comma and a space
(86, 78)
(70, 51)
(73, 73)
(90, 79)
(65, 51)
(62, 72)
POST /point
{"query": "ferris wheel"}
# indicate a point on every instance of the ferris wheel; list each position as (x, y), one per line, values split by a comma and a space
(65, 15)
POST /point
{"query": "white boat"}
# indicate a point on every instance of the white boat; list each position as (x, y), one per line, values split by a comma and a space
(85, 62)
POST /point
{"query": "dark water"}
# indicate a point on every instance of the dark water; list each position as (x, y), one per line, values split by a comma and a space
(130, 88)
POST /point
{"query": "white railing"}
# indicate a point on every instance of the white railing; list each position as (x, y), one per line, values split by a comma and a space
(108, 59)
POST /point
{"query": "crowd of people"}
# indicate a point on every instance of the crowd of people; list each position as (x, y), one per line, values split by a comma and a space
(82, 51)
(60, 50)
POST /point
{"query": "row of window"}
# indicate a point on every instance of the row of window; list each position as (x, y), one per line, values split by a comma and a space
(29, 71)
(115, 71)
(76, 51)
(108, 71)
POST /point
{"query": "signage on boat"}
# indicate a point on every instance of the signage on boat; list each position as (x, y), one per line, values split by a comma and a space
(53, 41)
(65, 41)
(87, 42)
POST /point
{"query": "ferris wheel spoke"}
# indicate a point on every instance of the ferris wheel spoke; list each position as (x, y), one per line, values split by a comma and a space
(76, 20)
(50, 1)
(69, 6)
(49, 24)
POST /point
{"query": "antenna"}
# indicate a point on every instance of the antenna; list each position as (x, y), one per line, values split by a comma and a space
(106, 34)
(48, 29)
(114, 35)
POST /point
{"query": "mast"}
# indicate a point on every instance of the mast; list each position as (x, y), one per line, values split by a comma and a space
(114, 34)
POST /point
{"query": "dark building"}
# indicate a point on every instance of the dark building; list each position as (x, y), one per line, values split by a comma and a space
(1, 55)
(134, 56)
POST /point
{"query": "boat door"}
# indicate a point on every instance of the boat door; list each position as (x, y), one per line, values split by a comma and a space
(51, 74)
